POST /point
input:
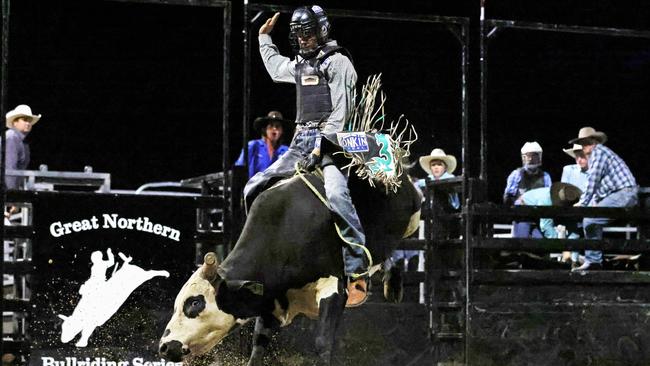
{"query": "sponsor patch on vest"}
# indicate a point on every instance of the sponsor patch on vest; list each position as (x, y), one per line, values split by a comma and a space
(353, 141)
(309, 80)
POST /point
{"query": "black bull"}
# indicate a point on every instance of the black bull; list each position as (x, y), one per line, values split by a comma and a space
(287, 261)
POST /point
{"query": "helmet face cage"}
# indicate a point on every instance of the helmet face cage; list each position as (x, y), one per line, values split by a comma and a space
(531, 159)
(303, 30)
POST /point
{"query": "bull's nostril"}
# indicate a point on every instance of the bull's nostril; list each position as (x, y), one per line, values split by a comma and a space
(172, 351)
(186, 351)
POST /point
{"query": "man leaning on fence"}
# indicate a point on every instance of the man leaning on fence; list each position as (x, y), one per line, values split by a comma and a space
(611, 184)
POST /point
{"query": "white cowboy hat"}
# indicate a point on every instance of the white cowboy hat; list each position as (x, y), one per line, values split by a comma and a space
(22, 110)
(589, 132)
(572, 150)
(438, 154)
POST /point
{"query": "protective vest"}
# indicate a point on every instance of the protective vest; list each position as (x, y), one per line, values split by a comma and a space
(530, 181)
(313, 98)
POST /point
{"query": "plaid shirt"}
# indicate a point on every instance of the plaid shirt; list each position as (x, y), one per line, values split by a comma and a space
(608, 173)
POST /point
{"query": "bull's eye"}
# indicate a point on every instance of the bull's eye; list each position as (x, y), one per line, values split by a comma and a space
(193, 306)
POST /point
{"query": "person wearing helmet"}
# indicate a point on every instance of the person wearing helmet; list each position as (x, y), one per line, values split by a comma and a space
(325, 80)
(529, 176)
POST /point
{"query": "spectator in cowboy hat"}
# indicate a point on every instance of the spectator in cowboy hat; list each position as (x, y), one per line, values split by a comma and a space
(266, 150)
(575, 174)
(610, 184)
(438, 166)
(19, 121)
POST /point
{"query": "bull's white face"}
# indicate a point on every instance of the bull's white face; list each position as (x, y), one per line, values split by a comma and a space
(197, 324)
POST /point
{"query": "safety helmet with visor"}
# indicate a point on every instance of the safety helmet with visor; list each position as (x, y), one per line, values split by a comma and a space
(531, 155)
(308, 21)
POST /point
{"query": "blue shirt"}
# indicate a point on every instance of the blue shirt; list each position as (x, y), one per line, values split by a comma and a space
(514, 180)
(258, 156)
(542, 197)
(17, 157)
(454, 201)
(572, 174)
(608, 173)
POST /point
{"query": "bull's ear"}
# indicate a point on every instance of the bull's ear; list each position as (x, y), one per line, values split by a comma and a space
(209, 268)
(62, 317)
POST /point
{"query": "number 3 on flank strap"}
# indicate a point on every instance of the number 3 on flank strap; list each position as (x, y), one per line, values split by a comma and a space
(385, 162)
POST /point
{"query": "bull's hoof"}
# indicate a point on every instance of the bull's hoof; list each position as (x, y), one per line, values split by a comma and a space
(82, 343)
(393, 285)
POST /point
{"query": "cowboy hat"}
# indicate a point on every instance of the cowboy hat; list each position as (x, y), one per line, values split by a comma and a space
(273, 116)
(22, 110)
(438, 154)
(589, 132)
(564, 194)
(572, 150)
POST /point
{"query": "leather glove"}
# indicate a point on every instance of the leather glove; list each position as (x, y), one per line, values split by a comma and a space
(310, 161)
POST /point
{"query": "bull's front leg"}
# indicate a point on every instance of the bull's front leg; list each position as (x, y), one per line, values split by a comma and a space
(330, 312)
(85, 335)
(264, 327)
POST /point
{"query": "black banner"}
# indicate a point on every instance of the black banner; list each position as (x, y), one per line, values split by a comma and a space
(107, 270)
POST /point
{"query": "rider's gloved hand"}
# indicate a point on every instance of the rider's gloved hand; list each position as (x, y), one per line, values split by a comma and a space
(310, 161)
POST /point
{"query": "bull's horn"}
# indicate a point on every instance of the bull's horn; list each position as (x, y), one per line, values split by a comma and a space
(209, 268)
(62, 316)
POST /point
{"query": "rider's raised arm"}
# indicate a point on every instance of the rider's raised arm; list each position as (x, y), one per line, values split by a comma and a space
(280, 68)
(111, 257)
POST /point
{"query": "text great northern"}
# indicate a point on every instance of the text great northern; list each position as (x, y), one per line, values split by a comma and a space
(113, 221)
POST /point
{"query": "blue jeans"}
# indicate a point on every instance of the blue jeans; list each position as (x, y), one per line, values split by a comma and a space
(301, 145)
(338, 196)
(626, 197)
(525, 229)
(336, 190)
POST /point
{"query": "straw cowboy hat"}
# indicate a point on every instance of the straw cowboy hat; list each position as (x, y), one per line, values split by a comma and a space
(572, 150)
(22, 110)
(564, 194)
(589, 132)
(438, 154)
(273, 116)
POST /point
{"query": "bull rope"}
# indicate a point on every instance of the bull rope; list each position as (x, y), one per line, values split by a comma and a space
(338, 230)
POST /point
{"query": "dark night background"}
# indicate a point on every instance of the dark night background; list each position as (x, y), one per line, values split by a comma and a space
(135, 89)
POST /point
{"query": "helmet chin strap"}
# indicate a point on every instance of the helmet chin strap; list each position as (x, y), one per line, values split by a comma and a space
(309, 53)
